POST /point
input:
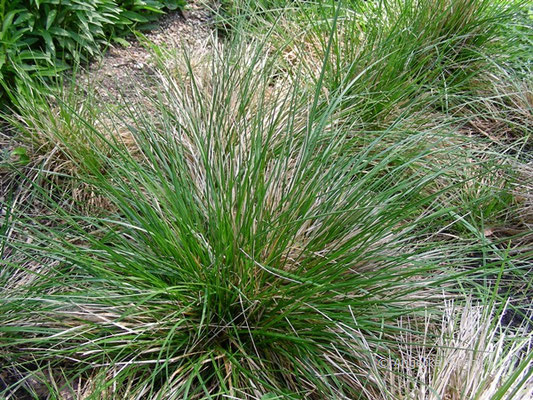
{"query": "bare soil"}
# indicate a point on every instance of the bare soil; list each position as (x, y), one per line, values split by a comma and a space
(124, 69)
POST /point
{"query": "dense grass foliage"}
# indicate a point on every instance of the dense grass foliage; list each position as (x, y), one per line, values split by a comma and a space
(299, 211)
(246, 253)
(44, 37)
(388, 55)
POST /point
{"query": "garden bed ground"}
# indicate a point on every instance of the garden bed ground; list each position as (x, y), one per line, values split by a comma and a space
(123, 70)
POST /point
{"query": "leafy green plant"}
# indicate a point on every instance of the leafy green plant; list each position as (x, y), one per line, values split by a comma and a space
(44, 37)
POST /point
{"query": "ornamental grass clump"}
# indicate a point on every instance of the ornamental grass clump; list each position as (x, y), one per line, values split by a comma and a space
(249, 253)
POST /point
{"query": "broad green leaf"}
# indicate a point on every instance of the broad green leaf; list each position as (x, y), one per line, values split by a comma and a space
(60, 31)
(133, 16)
(50, 48)
(50, 18)
(23, 17)
(8, 19)
(121, 41)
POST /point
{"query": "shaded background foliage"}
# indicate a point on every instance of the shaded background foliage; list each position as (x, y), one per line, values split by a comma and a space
(44, 37)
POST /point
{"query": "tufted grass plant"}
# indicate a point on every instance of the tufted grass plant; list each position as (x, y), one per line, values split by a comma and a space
(248, 253)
